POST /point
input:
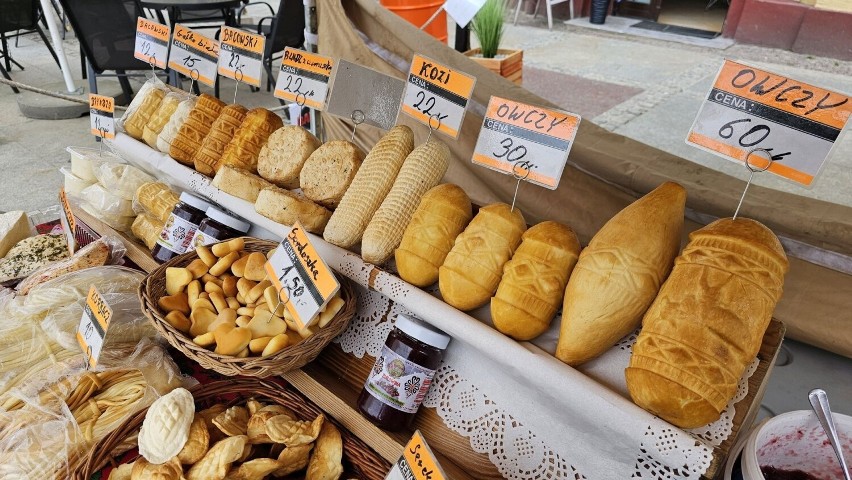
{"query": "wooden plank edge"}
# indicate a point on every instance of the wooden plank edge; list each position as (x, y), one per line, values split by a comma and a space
(138, 253)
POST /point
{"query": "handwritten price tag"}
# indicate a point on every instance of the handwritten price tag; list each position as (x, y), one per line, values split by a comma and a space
(749, 108)
(192, 51)
(152, 40)
(437, 95)
(531, 142)
(417, 462)
(304, 78)
(241, 55)
(303, 279)
(93, 326)
(69, 224)
(101, 110)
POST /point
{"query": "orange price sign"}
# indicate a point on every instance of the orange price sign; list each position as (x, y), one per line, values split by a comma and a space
(241, 55)
(69, 224)
(93, 326)
(437, 95)
(417, 462)
(794, 123)
(527, 141)
(101, 111)
(152, 42)
(304, 78)
(194, 55)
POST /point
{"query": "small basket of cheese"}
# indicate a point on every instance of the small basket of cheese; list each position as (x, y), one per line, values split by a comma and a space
(217, 306)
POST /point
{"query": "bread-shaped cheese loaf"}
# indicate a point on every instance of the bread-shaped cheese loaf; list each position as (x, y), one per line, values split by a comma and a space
(369, 187)
(287, 208)
(329, 171)
(473, 268)
(423, 169)
(221, 132)
(171, 128)
(160, 117)
(619, 274)
(242, 151)
(707, 323)
(534, 281)
(195, 128)
(239, 183)
(443, 213)
(282, 158)
(136, 121)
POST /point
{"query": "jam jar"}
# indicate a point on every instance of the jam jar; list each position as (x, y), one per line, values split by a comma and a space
(402, 374)
(216, 227)
(180, 227)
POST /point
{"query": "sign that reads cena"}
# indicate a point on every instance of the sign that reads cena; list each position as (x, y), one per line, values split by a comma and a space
(241, 55)
(525, 140)
(192, 51)
(93, 326)
(749, 108)
(304, 78)
(304, 282)
(152, 41)
(101, 120)
(437, 95)
(417, 462)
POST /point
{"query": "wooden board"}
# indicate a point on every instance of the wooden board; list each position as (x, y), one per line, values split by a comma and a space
(138, 253)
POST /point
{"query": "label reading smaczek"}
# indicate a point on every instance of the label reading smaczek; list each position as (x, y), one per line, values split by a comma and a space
(193, 51)
(93, 326)
(437, 95)
(748, 108)
(304, 78)
(522, 139)
(152, 40)
(241, 55)
(101, 120)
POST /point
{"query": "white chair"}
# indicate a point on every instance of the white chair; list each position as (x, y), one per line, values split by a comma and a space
(548, 3)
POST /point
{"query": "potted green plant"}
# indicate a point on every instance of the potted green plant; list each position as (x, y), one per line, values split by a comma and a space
(488, 27)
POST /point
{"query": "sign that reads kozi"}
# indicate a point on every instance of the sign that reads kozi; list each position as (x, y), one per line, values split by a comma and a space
(304, 282)
(93, 326)
(152, 42)
(748, 108)
(101, 120)
(525, 140)
(241, 55)
(304, 78)
(193, 52)
(437, 95)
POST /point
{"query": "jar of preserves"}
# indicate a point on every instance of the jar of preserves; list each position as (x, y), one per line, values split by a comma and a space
(402, 374)
(216, 227)
(180, 227)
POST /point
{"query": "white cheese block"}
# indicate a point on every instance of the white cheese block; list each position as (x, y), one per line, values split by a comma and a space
(14, 227)
(74, 185)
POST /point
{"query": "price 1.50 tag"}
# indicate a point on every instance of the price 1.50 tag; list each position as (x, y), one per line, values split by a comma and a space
(796, 123)
(69, 224)
(93, 326)
(304, 78)
(304, 282)
(417, 462)
(241, 55)
(437, 95)
(193, 52)
(101, 111)
(152, 42)
(527, 141)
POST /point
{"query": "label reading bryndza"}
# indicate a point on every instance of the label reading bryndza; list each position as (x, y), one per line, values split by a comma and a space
(397, 382)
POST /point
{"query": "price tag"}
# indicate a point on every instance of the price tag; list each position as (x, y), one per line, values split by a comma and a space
(748, 108)
(303, 279)
(101, 110)
(528, 141)
(437, 95)
(417, 462)
(69, 224)
(376, 95)
(304, 78)
(93, 326)
(241, 55)
(193, 51)
(152, 40)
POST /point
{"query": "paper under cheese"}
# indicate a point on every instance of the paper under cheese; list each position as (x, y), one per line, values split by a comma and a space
(14, 227)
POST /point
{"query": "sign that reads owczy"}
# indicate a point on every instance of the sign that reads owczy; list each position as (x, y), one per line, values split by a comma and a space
(304, 282)
(437, 95)
(528, 141)
(304, 78)
(101, 120)
(192, 51)
(241, 55)
(152, 42)
(93, 326)
(749, 108)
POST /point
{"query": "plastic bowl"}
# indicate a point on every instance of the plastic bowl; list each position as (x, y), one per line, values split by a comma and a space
(74, 184)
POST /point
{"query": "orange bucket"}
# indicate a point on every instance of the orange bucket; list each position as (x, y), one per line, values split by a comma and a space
(417, 12)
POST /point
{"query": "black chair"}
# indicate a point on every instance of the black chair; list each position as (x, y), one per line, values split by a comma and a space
(106, 30)
(283, 29)
(21, 17)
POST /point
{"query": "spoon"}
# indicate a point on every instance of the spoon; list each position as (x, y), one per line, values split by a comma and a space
(819, 402)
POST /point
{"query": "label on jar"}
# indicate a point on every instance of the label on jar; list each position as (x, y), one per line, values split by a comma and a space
(397, 382)
(199, 239)
(177, 234)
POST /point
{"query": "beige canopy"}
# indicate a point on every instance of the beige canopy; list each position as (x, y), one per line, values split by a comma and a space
(607, 171)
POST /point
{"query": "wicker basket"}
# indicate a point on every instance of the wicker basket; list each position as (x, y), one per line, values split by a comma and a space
(357, 456)
(290, 358)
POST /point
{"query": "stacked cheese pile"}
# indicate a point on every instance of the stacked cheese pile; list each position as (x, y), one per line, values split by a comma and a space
(153, 202)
